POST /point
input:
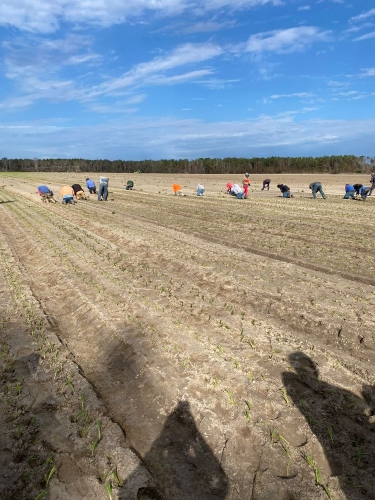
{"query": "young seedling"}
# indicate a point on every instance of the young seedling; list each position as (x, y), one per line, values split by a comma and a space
(285, 396)
(49, 476)
(18, 386)
(95, 443)
(359, 454)
(69, 382)
(41, 495)
(231, 397)
(247, 412)
(317, 474)
(330, 433)
(348, 402)
(108, 487)
(303, 405)
(116, 478)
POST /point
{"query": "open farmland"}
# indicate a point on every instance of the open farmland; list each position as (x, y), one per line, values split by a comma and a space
(227, 345)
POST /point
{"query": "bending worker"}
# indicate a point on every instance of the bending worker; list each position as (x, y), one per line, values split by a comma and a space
(78, 192)
(90, 184)
(67, 194)
(316, 187)
(103, 189)
(285, 190)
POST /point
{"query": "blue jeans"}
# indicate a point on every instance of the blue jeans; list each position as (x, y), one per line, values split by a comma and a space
(286, 194)
(200, 192)
(103, 191)
(365, 193)
(349, 194)
(318, 189)
(68, 198)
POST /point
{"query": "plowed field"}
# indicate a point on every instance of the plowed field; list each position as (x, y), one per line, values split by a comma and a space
(231, 341)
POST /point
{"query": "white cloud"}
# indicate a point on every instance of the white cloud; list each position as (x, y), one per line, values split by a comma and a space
(144, 72)
(169, 137)
(368, 72)
(217, 83)
(172, 80)
(288, 40)
(333, 83)
(296, 94)
(199, 27)
(365, 37)
(33, 55)
(46, 16)
(355, 29)
(304, 7)
(36, 66)
(363, 16)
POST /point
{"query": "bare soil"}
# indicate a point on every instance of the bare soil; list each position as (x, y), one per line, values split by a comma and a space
(164, 347)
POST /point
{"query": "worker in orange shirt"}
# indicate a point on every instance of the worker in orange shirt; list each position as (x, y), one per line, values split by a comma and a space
(67, 195)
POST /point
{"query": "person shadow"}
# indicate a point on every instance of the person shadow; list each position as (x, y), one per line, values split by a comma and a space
(181, 464)
(342, 421)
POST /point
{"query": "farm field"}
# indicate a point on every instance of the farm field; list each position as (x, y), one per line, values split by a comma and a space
(163, 347)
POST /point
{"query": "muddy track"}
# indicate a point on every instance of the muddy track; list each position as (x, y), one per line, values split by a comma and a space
(183, 333)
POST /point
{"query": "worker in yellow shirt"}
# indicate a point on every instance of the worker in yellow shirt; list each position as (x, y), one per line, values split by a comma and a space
(67, 195)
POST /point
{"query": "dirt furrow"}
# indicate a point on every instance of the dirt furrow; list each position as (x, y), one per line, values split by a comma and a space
(204, 356)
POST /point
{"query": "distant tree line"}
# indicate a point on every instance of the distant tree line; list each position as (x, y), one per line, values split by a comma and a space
(271, 165)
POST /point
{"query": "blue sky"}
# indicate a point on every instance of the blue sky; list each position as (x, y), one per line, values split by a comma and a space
(150, 79)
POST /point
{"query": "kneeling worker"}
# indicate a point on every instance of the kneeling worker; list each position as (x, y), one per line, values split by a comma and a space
(78, 192)
(285, 190)
(364, 192)
(67, 195)
(90, 184)
(46, 194)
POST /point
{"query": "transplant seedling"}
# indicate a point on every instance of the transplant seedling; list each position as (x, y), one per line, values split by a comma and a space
(231, 397)
(116, 478)
(330, 432)
(285, 396)
(49, 476)
(18, 386)
(247, 412)
(95, 443)
(41, 495)
(108, 487)
(69, 383)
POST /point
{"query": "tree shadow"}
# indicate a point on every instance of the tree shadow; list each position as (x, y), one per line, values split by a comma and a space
(181, 463)
(342, 421)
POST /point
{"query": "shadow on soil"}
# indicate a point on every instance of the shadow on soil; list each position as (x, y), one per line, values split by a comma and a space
(27, 418)
(342, 421)
(7, 201)
(181, 463)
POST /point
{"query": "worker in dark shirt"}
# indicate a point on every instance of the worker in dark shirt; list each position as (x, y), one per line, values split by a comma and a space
(357, 187)
(266, 184)
(285, 190)
(78, 192)
(316, 187)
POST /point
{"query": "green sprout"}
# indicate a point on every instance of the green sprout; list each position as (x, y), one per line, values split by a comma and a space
(96, 441)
